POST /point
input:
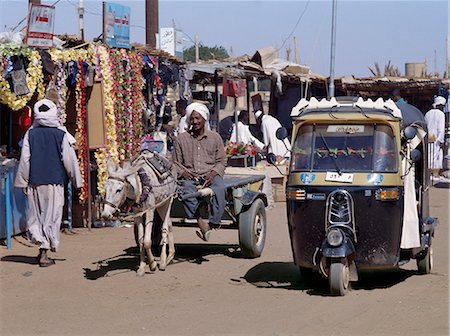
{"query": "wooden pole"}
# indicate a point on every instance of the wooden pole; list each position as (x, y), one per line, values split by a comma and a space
(151, 22)
(104, 22)
(295, 49)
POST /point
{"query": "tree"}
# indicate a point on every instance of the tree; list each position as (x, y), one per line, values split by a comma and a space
(389, 70)
(206, 53)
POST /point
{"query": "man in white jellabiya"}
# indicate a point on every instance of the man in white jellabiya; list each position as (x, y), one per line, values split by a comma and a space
(435, 119)
(47, 159)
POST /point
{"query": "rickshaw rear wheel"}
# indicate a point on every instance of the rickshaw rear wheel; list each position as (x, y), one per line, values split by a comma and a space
(425, 264)
(338, 277)
(252, 229)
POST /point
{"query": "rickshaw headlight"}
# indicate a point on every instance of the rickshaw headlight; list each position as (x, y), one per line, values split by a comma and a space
(335, 237)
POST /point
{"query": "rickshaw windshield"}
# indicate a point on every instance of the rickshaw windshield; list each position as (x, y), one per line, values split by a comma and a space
(346, 148)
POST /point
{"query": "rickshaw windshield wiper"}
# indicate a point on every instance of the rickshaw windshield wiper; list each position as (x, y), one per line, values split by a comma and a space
(330, 155)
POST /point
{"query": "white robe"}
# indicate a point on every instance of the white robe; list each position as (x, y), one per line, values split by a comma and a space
(45, 202)
(436, 129)
(245, 136)
(269, 126)
(182, 125)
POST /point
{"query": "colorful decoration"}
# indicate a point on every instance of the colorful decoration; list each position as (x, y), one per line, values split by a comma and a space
(233, 148)
(335, 152)
(81, 132)
(34, 78)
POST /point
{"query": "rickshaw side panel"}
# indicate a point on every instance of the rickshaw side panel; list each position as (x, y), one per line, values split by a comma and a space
(378, 235)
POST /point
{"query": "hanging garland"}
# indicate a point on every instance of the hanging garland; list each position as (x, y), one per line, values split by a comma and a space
(34, 78)
(81, 132)
(137, 100)
(111, 151)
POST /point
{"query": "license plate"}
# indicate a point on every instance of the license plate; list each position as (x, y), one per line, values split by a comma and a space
(335, 177)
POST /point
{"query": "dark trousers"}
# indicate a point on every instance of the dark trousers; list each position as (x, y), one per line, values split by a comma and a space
(217, 201)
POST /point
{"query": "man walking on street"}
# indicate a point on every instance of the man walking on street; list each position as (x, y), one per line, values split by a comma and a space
(46, 160)
(435, 120)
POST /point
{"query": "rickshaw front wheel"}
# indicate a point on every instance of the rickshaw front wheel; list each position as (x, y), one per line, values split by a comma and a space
(338, 277)
(425, 264)
(252, 229)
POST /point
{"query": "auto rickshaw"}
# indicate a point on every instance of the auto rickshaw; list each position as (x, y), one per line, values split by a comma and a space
(357, 189)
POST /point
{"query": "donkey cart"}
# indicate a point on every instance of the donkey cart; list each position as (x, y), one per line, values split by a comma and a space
(245, 210)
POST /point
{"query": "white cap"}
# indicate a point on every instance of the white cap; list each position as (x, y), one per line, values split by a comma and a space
(258, 114)
(439, 100)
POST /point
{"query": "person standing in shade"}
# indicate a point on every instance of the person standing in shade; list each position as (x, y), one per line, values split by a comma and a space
(180, 106)
(241, 133)
(397, 98)
(435, 120)
(47, 159)
(269, 126)
(199, 156)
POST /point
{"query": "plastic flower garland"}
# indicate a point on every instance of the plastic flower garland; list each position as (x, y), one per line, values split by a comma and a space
(108, 106)
(61, 88)
(34, 79)
(137, 100)
(233, 148)
(82, 132)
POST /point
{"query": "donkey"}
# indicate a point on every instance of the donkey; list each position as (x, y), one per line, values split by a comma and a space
(125, 183)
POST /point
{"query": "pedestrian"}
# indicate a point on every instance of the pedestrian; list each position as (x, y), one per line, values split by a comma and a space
(241, 132)
(180, 106)
(397, 97)
(47, 159)
(200, 158)
(435, 120)
(269, 126)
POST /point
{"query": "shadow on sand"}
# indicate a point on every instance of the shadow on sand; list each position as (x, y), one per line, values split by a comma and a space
(129, 260)
(286, 275)
(21, 259)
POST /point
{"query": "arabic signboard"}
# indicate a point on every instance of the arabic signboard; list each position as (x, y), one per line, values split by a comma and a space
(171, 40)
(41, 23)
(117, 25)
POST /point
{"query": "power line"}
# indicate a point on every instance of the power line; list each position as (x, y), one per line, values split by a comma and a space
(21, 21)
(296, 24)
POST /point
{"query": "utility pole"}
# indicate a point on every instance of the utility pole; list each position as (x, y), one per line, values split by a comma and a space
(151, 22)
(81, 18)
(446, 57)
(295, 49)
(197, 57)
(333, 47)
(288, 54)
(435, 64)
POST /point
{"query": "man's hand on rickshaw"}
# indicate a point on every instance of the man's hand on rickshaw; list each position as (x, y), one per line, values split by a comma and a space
(187, 175)
(210, 178)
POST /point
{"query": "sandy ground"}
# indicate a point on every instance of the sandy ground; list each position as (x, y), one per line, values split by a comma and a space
(210, 289)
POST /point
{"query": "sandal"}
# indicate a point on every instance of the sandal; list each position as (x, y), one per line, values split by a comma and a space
(46, 263)
(203, 235)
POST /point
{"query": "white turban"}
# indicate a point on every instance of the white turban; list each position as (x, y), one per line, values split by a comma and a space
(439, 100)
(199, 108)
(258, 114)
(47, 118)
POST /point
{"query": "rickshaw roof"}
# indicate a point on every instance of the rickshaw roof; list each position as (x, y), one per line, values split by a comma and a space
(356, 108)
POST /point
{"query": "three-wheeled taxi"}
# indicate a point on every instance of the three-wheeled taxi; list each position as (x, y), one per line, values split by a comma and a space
(357, 191)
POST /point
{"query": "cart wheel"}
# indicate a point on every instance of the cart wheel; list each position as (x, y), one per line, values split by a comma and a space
(338, 278)
(252, 229)
(425, 264)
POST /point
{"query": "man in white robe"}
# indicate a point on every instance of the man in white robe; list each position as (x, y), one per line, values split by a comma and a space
(269, 126)
(241, 133)
(435, 120)
(47, 159)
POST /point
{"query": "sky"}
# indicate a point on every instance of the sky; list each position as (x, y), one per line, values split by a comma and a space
(366, 31)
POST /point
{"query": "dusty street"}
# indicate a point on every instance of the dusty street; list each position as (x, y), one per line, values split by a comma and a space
(209, 289)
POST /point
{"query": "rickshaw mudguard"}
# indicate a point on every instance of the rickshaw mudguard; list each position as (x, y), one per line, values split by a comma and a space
(250, 196)
(341, 251)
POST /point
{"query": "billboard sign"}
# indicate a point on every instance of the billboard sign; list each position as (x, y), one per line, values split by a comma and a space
(117, 25)
(41, 23)
(171, 41)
